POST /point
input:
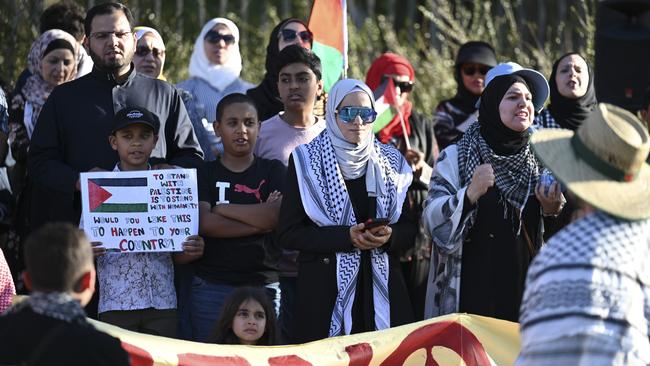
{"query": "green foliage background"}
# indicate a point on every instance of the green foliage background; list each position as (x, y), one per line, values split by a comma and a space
(428, 32)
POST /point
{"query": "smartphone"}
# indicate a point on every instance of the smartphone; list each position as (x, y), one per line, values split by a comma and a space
(370, 223)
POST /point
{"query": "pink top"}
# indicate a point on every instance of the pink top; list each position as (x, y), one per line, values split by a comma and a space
(277, 138)
(7, 289)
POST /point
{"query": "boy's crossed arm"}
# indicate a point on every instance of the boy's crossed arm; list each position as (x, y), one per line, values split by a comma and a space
(263, 216)
(213, 224)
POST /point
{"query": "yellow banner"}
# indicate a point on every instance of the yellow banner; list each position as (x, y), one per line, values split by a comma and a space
(456, 339)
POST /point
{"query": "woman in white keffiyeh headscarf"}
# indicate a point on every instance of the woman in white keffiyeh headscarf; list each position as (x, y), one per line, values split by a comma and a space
(349, 279)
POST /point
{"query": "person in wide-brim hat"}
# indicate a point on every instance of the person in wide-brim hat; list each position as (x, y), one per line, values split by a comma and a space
(587, 297)
(603, 163)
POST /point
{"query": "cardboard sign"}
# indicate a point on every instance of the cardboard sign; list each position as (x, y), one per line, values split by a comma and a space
(140, 211)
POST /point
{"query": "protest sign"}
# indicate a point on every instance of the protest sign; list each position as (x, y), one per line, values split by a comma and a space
(140, 211)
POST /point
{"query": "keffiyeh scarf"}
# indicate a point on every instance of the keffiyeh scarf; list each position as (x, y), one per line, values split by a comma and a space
(57, 305)
(327, 203)
(515, 175)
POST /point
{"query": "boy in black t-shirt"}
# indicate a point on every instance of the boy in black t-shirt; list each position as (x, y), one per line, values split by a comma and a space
(239, 201)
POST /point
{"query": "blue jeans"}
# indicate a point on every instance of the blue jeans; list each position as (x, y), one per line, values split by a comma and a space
(183, 275)
(208, 298)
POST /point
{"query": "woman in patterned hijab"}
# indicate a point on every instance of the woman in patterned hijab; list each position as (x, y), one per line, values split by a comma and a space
(52, 61)
(485, 209)
(349, 278)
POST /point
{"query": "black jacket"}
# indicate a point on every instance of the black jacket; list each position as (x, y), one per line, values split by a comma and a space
(71, 136)
(37, 339)
(318, 245)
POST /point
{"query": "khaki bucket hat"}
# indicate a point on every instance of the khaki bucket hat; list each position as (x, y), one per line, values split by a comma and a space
(603, 162)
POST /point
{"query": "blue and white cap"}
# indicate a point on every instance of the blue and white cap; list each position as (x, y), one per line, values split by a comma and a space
(535, 80)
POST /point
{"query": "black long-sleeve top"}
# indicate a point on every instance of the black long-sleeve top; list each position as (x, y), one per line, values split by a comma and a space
(317, 262)
(71, 135)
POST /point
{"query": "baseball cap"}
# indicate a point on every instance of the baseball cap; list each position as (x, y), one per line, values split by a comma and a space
(476, 52)
(535, 80)
(133, 115)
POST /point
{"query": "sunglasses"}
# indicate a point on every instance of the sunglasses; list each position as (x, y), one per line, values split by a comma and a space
(348, 114)
(471, 70)
(404, 86)
(144, 52)
(216, 37)
(289, 35)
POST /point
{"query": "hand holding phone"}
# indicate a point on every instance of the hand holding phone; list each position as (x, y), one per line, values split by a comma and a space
(372, 223)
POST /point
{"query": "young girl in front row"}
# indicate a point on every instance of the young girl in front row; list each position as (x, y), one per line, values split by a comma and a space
(247, 317)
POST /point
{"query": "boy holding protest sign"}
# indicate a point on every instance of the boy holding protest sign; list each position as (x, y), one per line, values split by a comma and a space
(239, 201)
(136, 290)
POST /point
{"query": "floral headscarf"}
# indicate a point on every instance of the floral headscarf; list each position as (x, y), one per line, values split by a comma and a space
(37, 90)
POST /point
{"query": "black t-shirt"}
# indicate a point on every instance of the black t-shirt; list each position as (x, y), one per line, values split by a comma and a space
(248, 260)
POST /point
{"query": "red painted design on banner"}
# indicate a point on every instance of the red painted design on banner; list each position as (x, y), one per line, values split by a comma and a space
(193, 359)
(137, 355)
(360, 354)
(447, 334)
(291, 360)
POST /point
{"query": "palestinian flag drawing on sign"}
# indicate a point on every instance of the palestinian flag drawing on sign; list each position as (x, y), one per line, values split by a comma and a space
(112, 195)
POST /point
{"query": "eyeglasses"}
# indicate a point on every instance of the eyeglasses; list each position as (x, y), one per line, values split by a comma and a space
(348, 114)
(103, 36)
(215, 37)
(145, 51)
(289, 35)
(470, 70)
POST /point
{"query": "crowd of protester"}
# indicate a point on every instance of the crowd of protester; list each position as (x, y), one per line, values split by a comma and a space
(496, 203)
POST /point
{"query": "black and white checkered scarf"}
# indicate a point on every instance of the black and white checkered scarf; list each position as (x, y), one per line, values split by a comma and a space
(515, 175)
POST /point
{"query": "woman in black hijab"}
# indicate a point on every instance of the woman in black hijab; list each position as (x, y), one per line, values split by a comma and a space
(266, 96)
(573, 99)
(453, 116)
(573, 96)
(483, 211)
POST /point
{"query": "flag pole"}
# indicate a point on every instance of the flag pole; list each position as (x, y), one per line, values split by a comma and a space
(403, 124)
(344, 6)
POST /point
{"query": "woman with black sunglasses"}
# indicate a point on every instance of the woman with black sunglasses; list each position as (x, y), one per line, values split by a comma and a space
(453, 116)
(344, 209)
(421, 152)
(215, 67)
(287, 32)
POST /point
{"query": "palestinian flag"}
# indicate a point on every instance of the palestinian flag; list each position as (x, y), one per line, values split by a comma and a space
(385, 100)
(113, 195)
(328, 23)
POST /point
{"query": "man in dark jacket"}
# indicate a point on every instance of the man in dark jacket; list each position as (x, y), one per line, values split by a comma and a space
(61, 274)
(70, 135)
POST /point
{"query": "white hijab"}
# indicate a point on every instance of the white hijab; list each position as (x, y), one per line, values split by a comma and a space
(218, 76)
(355, 160)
